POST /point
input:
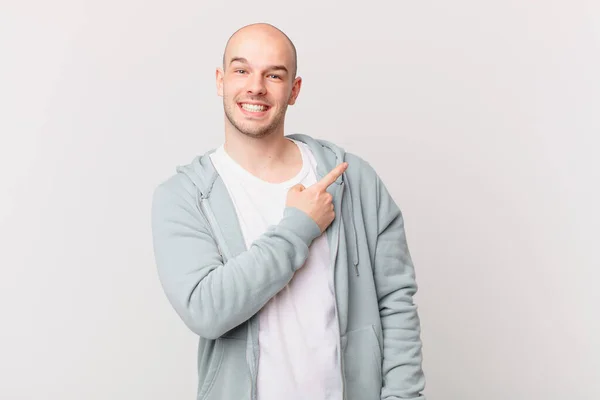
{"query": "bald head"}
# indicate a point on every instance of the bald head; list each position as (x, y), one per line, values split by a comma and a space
(261, 34)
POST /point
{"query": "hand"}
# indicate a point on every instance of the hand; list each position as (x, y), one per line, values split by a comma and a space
(315, 200)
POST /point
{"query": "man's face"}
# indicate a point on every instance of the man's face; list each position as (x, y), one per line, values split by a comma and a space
(257, 84)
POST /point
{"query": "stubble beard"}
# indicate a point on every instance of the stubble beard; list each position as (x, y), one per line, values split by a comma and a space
(256, 132)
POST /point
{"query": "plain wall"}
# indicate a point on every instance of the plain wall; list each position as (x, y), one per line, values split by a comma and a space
(481, 117)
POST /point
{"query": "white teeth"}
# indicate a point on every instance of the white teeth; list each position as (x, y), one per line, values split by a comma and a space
(253, 107)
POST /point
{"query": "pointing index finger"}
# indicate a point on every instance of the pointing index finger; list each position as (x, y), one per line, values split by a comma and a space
(328, 179)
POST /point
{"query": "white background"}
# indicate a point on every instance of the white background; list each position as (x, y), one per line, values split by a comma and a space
(481, 117)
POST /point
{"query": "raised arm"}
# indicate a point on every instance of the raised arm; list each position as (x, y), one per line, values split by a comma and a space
(210, 296)
(213, 295)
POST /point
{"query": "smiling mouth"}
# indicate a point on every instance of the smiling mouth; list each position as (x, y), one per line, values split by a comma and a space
(253, 108)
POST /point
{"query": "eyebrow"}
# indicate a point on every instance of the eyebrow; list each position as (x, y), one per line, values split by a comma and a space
(270, 68)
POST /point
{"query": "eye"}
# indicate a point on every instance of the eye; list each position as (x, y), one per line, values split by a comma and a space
(274, 76)
(239, 71)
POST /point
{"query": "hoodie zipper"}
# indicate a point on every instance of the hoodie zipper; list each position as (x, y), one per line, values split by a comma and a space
(219, 240)
(204, 214)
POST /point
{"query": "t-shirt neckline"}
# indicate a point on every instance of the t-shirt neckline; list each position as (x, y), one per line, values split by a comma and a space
(256, 180)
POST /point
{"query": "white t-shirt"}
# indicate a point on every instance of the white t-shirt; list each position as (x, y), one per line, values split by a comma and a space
(298, 328)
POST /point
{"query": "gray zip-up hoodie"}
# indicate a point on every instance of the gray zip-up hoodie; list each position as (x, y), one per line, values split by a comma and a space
(217, 285)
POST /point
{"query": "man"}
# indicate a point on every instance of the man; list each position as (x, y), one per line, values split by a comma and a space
(285, 254)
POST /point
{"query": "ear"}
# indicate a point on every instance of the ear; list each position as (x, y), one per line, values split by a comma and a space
(219, 78)
(295, 91)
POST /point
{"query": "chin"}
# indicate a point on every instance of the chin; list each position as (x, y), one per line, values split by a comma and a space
(256, 133)
(256, 130)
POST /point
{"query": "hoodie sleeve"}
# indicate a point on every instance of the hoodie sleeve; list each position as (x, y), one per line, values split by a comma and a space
(210, 296)
(394, 274)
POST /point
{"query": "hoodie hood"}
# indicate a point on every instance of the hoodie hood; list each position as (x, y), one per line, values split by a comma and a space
(203, 174)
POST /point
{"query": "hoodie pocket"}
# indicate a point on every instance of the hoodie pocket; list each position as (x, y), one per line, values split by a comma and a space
(232, 378)
(362, 364)
(210, 357)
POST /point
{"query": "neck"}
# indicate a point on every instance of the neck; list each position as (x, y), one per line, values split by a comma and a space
(265, 156)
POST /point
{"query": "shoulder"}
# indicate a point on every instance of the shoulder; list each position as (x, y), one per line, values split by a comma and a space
(359, 168)
(177, 188)
(364, 180)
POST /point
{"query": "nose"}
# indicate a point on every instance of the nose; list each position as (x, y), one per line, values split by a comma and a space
(256, 85)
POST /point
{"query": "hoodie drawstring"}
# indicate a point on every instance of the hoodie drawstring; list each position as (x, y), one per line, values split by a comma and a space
(351, 219)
